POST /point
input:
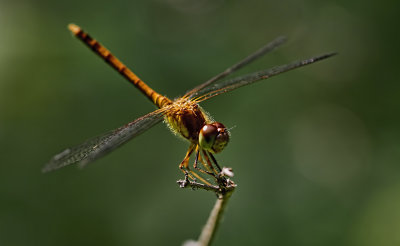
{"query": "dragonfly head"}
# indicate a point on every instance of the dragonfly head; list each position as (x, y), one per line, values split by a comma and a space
(213, 137)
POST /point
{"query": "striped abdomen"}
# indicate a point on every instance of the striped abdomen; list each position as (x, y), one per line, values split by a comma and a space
(159, 100)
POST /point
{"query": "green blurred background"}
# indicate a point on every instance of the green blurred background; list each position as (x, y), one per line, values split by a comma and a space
(315, 151)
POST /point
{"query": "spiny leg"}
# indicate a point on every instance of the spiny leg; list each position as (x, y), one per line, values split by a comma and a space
(185, 162)
(206, 166)
(220, 179)
(184, 166)
(198, 157)
(209, 162)
(215, 162)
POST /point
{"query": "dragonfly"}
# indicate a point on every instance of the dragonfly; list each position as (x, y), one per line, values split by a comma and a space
(183, 115)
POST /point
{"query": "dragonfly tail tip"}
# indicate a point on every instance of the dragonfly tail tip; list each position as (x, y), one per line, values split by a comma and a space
(74, 28)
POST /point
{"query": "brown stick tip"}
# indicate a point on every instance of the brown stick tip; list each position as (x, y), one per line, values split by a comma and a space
(74, 28)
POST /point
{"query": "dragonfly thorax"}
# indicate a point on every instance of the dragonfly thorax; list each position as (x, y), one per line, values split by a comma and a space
(186, 118)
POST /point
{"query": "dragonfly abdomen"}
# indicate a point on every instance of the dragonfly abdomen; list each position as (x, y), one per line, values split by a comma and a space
(159, 100)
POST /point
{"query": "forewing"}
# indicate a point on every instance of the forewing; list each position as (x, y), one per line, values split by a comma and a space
(250, 58)
(101, 145)
(247, 79)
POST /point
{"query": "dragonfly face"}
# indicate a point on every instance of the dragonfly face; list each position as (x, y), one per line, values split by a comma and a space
(213, 137)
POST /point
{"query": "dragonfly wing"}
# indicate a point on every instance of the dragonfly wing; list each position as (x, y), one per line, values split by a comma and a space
(252, 57)
(247, 79)
(101, 145)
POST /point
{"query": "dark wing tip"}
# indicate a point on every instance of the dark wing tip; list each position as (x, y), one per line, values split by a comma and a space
(315, 59)
(324, 56)
(56, 162)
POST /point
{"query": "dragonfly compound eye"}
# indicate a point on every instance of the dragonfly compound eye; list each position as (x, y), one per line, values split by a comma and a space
(213, 137)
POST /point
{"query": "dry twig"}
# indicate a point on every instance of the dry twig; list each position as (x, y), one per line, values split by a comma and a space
(224, 190)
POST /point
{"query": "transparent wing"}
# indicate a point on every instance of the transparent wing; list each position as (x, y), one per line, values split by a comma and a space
(101, 145)
(250, 58)
(247, 79)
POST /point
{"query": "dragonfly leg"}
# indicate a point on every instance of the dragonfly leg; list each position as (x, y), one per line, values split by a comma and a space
(209, 162)
(185, 163)
(206, 166)
(197, 159)
(220, 179)
(184, 166)
(215, 161)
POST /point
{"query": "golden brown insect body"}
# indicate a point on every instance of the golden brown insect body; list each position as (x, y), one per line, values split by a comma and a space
(183, 116)
(186, 118)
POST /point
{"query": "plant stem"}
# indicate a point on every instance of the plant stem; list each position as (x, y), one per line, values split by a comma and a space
(224, 192)
(210, 228)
